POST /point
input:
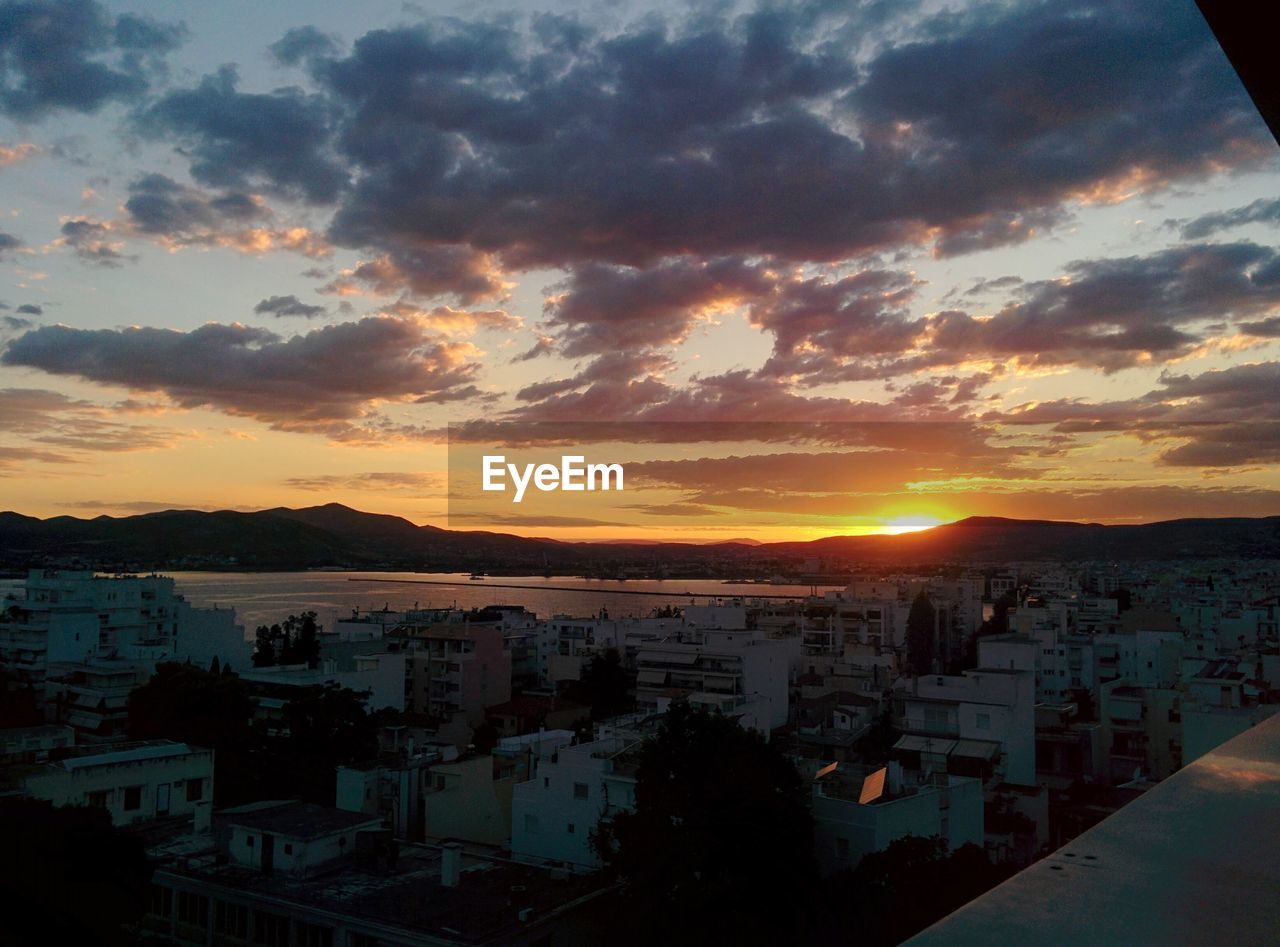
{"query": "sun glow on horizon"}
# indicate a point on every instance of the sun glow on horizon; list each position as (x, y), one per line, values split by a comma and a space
(909, 524)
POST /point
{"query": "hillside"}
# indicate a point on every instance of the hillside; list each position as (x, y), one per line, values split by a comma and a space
(336, 535)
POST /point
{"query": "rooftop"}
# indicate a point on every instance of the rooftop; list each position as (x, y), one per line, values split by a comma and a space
(294, 819)
(483, 908)
(1191, 861)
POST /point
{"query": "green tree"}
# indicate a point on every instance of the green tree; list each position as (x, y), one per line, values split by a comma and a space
(719, 847)
(68, 876)
(893, 894)
(604, 686)
(326, 727)
(199, 707)
(921, 634)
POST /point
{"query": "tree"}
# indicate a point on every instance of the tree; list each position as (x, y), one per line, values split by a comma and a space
(604, 686)
(893, 894)
(921, 634)
(185, 703)
(296, 640)
(326, 727)
(720, 844)
(68, 876)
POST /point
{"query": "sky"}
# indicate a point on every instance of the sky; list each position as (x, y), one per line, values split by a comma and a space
(807, 268)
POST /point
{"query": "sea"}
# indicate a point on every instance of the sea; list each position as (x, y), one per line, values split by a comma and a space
(262, 598)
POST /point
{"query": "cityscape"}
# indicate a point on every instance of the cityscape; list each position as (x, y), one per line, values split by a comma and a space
(574, 473)
(481, 775)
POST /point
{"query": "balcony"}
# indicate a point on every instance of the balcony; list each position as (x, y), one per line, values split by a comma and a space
(1191, 861)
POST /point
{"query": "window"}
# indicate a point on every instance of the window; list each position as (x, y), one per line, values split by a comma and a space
(984, 721)
(161, 901)
(248, 842)
(193, 909)
(132, 798)
(195, 790)
(546, 782)
(231, 920)
(842, 848)
(270, 930)
(312, 935)
(98, 800)
(288, 848)
(570, 828)
(581, 791)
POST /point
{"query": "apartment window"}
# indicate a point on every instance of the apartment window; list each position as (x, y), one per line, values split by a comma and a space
(195, 790)
(288, 848)
(984, 721)
(231, 920)
(132, 798)
(581, 791)
(98, 800)
(161, 901)
(193, 909)
(312, 935)
(842, 848)
(570, 828)
(546, 782)
(248, 842)
(270, 930)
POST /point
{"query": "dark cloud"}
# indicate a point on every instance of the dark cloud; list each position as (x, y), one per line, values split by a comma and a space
(8, 243)
(615, 370)
(325, 380)
(160, 206)
(852, 317)
(1259, 212)
(1221, 418)
(92, 243)
(1115, 313)
(459, 271)
(288, 306)
(302, 44)
(236, 138)
(50, 418)
(180, 216)
(1268, 328)
(71, 54)
(544, 346)
(382, 482)
(606, 308)
(717, 136)
(30, 309)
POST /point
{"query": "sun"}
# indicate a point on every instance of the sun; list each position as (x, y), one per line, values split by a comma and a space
(909, 524)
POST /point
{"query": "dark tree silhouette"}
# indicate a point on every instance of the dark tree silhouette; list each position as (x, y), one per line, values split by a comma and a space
(603, 686)
(893, 894)
(921, 634)
(68, 876)
(720, 845)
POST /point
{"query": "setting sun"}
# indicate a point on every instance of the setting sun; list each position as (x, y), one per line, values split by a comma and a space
(909, 524)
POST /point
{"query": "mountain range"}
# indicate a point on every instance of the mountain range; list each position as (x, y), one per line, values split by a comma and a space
(338, 536)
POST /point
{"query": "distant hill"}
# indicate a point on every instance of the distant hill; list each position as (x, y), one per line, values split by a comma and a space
(336, 535)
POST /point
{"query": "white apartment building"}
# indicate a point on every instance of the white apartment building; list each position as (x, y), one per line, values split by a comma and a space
(555, 812)
(846, 827)
(979, 722)
(68, 621)
(133, 782)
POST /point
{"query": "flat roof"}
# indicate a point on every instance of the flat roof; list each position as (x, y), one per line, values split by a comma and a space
(135, 754)
(1191, 861)
(481, 909)
(294, 819)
